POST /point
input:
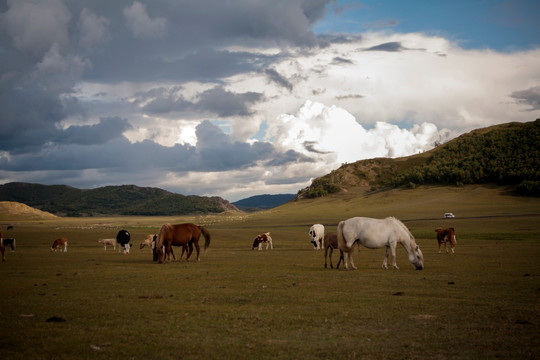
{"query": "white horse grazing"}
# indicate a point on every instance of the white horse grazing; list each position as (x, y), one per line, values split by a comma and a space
(316, 232)
(376, 233)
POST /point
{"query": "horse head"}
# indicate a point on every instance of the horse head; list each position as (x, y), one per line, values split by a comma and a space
(416, 257)
(256, 242)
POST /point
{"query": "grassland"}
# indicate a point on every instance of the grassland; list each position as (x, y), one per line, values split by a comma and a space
(481, 303)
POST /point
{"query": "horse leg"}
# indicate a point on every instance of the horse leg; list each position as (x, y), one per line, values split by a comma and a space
(393, 249)
(325, 255)
(3, 250)
(340, 258)
(439, 247)
(385, 261)
(352, 261)
(168, 250)
(198, 250)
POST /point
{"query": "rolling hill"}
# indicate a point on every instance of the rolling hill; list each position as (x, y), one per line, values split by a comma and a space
(64, 200)
(506, 154)
(263, 202)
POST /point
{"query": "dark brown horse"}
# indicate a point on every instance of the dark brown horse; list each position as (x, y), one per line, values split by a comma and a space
(331, 243)
(180, 235)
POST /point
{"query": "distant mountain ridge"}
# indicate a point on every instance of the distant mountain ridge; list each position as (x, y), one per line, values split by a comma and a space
(65, 200)
(506, 154)
(263, 202)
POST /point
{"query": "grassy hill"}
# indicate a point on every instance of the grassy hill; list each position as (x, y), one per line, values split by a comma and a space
(506, 154)
(110, 200)
(262, 202)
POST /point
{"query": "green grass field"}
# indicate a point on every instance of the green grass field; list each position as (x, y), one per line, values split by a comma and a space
(481, 303)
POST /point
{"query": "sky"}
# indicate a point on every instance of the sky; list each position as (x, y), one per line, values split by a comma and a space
(246, 97)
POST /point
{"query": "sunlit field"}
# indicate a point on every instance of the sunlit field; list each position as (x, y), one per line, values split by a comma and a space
(238, 303)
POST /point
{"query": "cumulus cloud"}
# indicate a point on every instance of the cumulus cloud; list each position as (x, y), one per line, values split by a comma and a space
(94, 30)
(141, 24)
(333, 134)
(34, 26)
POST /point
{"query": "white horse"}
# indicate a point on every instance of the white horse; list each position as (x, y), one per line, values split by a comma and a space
(376, 233)
(316, 232)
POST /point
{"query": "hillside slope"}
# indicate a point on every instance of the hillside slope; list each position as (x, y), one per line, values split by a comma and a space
(262, 202)
(15, 210)
(506, 154)
(110, 200)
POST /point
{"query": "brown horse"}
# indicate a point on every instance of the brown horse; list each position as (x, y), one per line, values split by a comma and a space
(180, 235)
(331, 243)
(446, 236)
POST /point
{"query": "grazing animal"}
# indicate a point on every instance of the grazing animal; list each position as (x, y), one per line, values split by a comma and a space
(122, 238)
(376, 233)
(59, 243)
(180, 235)
(260, 239)
(9, 242)
(2, 248)
(110, 242)
(446, 236)
(331, 243)
(316, 232)
(148, 241)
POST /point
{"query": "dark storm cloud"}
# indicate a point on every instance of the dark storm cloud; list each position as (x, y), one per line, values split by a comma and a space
(127, 40)
(218, 152)
(225, 103)
(394, 46)
(216, 101)
(215, 151)
(338, 60)
(530, 97)
(44, 60)
(106, 130)
(279, 79)
(311, 147)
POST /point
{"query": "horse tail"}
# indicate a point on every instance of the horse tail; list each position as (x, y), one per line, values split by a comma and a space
(342, 244)
(206, 235)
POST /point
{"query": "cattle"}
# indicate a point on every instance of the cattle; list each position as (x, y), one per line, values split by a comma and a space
(260, 239)
(105, 242)
(59, 243)
(149, 241)
(446, 236)
(122, 238)
(316, 233)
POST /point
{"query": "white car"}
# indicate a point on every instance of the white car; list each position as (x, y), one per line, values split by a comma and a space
(449, 216)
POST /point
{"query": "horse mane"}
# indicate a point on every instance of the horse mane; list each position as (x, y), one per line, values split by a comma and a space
(405, 228)
(161, 235)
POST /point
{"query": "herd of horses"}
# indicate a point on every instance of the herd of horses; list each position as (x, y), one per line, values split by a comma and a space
(373, 234)
(368, 232)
